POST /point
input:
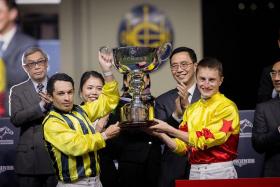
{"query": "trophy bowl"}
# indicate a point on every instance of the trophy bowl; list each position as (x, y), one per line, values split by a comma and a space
(136, 61)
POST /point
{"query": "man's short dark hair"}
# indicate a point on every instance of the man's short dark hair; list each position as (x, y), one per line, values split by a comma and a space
(184, 49)
(211, 63)
(58, 77)
(11, 4)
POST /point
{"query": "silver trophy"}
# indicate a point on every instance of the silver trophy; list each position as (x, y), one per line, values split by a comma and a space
(136, 61)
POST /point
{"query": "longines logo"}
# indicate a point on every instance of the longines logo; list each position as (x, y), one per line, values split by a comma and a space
(243, 162)
(246, 128)
(4, 132)
(145, 26)
(6, 168)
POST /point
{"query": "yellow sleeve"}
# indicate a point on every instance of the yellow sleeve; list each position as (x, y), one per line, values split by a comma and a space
(2, 76)
(181, 147)
(215, 130)
(69, 141)
(105, 103)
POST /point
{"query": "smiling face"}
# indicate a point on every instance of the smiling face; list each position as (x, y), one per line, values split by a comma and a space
(91, 89)
(183, 68)
(208, 81)
(7, 17)
(36, 66)
(62, 95)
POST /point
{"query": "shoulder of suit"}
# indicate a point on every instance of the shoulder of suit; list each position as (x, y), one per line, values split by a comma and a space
(24, 41)
(167, 94)
(20, 85)
(269, 103)
(24, 37)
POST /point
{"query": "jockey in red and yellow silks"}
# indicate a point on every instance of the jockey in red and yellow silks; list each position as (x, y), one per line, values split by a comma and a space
(213, 127)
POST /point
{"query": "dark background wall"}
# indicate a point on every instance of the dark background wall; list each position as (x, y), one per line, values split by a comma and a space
(242, 34)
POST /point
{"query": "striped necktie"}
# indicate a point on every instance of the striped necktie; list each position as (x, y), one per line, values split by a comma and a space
(40, 87)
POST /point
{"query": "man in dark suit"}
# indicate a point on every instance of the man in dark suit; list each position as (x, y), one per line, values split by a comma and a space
(28, 105)
(138, 154)
(183, 62)
(265, 90)
(266, 129)
(13, 44)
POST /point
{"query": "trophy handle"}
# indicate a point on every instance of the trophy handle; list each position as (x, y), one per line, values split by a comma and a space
(164, 52)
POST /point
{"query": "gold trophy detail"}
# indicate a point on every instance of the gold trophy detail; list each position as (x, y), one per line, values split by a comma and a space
(136, 62)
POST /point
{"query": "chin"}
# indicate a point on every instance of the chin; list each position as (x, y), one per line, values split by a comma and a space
(205, 97)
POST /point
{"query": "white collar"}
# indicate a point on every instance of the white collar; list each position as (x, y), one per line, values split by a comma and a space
(44, 82)
(191, 89)
(7, 37)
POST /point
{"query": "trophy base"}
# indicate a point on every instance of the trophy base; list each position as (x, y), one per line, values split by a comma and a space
(137, 124)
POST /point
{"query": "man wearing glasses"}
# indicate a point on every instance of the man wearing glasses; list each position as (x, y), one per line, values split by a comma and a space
(28, 105)
(183, 62)
(266, 129)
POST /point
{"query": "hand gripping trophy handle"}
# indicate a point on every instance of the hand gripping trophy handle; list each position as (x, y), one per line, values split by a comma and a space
(136, 61)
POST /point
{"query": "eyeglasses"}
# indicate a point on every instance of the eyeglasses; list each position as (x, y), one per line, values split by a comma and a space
(33, 64)
(274, 73)
(183, 65)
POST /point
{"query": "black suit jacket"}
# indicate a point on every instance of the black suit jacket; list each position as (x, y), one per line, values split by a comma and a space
(266, 137)
(173, 166)
(12, 59)
(138, 155)
(32, 157)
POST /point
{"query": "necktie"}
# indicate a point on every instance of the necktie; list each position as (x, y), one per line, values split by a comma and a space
(40, 87)
(189, 97)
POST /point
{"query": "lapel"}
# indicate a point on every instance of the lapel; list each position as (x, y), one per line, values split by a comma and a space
(274, 109)
(12, 45)
(172, 97)
(196, 95)
(30, 93)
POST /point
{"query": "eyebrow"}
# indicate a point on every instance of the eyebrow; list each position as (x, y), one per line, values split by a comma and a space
(36, 60)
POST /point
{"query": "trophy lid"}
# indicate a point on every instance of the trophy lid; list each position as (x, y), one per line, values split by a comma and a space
(146, 59)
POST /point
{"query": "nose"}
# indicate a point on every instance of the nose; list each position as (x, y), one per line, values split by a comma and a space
(94, 91)
(37, 66)
(179, 68)
(67, 97)
(206, 83)
(277, 77)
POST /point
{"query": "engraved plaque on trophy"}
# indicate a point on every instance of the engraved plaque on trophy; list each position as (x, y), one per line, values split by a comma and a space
(136, 61)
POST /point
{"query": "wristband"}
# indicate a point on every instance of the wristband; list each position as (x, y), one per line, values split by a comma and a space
(107, 74)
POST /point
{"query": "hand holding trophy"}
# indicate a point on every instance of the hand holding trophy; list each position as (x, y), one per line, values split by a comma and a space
(105, 57)
(136, 61)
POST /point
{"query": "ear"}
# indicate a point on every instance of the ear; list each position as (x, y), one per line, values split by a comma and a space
(81, 97)
(25, 69)
(50, 97)
(13, 14)
(222, 79)
(195, 66)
